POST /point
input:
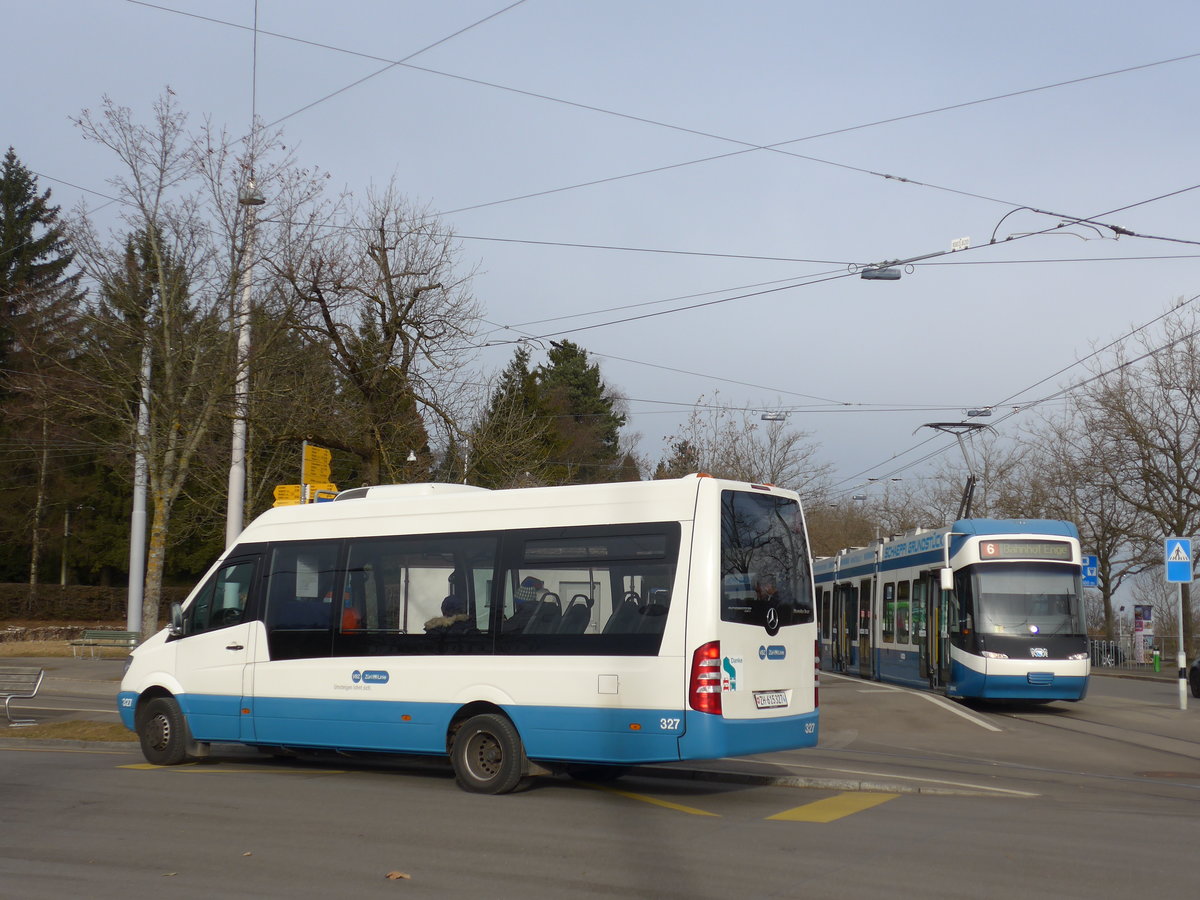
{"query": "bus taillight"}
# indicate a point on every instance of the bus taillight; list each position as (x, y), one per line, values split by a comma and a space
(704, 687)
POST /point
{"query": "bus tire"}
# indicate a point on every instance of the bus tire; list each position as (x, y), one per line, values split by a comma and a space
(487, 755)
(163, 733)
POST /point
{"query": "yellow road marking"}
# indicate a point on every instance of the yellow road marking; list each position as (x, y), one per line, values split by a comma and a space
(833, 808)
(690, 810)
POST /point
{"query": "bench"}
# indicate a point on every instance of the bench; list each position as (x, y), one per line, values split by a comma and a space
(19, 683)
(92, 639)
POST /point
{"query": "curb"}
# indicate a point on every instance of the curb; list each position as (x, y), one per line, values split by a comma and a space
(65, 744)
(815, 782)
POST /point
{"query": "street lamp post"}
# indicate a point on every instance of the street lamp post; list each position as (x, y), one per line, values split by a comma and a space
(251, 199)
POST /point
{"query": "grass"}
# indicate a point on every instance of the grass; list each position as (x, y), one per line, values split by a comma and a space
(62, 731)
(9, 649)
(71, 731)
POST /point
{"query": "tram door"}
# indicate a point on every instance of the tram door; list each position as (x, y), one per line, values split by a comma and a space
(935, 649)
(845, 613)
(924, 619)
(865, 655)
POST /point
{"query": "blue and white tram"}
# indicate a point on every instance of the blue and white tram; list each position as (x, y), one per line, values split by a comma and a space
(983, 608)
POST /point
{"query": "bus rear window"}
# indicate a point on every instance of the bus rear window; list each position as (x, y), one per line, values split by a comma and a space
(764, 560)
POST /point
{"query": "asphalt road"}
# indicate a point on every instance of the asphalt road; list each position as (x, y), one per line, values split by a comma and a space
(906, 794)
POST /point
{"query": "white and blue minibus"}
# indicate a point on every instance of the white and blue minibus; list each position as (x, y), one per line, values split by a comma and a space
(987, 609)
(578, 629)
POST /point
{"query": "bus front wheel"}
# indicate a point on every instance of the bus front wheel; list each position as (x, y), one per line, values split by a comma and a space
(163, 733)
(487, 755)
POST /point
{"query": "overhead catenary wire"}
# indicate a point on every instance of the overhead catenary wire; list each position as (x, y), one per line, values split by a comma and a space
(747, 146)
(1026, 405)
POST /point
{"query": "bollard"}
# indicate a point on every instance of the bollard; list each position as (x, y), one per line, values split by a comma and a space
(1157, 661)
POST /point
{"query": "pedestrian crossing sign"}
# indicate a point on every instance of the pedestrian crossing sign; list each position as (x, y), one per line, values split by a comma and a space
(1177, 556)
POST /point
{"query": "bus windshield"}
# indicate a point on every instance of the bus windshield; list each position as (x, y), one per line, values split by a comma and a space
(1026, 598)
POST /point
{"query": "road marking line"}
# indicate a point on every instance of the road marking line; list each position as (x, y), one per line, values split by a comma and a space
(833, 808)
(932, 698)
(678, 807)
(886, 776)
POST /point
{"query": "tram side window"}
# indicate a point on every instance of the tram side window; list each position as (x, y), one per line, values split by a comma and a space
(826, 615)
(902, 612)
(864, 609)
(889, 613)
(919, 597)
(300, 601)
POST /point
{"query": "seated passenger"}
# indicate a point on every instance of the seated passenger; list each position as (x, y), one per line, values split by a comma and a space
(352, 619)
(525, 603)
(453, 619)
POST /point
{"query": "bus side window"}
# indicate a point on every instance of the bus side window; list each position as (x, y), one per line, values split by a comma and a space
(300, 599)
(222, 601)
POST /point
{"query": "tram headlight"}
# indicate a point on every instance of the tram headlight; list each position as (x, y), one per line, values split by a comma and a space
(992, 654)
(1078, 656)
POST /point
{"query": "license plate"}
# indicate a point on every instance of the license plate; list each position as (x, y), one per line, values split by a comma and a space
(770, 699)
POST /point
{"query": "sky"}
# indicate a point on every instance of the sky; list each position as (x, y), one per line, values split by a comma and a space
(602, 161)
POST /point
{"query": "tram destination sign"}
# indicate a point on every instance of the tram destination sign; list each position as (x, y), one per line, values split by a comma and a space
(1056, 550)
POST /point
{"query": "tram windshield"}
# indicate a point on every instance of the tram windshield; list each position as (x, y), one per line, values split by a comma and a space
(1026, 598)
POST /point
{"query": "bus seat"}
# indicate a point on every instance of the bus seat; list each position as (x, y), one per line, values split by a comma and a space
(576, 619)
(545, 619)
(652, 618)
(624, 619)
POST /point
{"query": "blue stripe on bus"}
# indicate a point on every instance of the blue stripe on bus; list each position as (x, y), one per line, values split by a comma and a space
(714, 737)
(548, 732)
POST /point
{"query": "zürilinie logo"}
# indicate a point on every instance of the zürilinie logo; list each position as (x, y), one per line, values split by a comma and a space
(370, 677)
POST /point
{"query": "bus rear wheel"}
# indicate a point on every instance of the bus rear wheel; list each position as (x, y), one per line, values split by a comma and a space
(487, 755)
(163, 733)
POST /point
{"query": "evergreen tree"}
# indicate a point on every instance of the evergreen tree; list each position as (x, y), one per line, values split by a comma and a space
(36, 297)
(511, 444)
(586, 424)
(684, 460)
(34, 253)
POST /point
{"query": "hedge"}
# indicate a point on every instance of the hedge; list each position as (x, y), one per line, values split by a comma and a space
(73, 602)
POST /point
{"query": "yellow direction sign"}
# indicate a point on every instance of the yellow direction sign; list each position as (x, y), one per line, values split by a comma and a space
(314, 486)
(288, 494)
(315, 464)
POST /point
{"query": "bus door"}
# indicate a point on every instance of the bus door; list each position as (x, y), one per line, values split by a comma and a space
(213, 657)
(866, 656)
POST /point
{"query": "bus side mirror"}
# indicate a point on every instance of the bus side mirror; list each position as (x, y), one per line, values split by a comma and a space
(176, 627)
(947, 576)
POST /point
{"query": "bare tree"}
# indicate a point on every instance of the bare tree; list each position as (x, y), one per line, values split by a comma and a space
(385, 298)
(1143, 411)
(735, 443)
(1067, 480)
(167, 278)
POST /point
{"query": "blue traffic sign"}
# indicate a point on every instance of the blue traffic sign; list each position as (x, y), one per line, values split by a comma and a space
(1177, 556)
(1091, 576)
